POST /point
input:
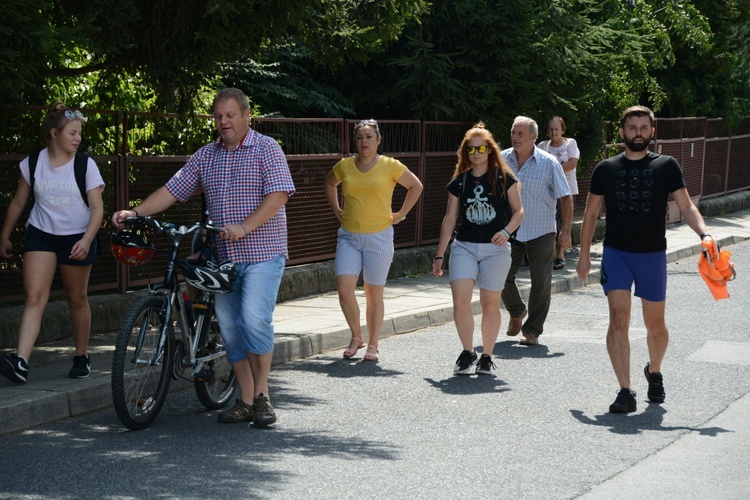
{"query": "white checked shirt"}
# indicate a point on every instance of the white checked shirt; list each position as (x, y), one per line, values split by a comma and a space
(542, 183)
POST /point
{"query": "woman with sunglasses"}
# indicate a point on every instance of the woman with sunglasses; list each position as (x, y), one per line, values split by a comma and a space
(61, 231)
(484, 210)
(365, 238)
(565, 149)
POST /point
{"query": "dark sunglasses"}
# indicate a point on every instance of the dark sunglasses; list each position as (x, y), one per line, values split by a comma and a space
(477, 149)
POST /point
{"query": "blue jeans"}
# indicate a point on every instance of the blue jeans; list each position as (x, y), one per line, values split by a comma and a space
(245, 315)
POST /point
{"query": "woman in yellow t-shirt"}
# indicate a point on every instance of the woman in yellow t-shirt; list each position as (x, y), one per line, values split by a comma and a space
(365, 238)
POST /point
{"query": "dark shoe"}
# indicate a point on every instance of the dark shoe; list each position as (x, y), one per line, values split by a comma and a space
(465, 363)
(656, 392)
(81, 367)
(514, 325)
(624, 403)
(559, 264)
(485, 365)
(264, 414)
(14, 368)
(240, 412)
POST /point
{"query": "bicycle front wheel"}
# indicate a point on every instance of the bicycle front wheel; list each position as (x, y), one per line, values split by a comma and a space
(140, 377)
(215, 383)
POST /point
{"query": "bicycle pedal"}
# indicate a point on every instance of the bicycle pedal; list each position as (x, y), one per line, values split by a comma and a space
(204, 376)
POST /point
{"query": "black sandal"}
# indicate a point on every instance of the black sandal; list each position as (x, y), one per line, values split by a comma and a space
(559, 264)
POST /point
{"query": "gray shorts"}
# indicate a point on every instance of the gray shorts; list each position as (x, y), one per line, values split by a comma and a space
(485, 263)
(369, 253)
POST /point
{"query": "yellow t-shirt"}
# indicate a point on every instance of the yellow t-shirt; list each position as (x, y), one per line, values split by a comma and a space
(368, 196)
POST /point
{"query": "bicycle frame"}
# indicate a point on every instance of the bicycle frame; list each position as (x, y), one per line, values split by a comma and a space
(171, 289)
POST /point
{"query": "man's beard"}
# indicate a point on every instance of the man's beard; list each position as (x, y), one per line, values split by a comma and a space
(636, 148)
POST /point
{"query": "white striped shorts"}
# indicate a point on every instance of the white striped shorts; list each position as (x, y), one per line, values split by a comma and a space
(370, 253)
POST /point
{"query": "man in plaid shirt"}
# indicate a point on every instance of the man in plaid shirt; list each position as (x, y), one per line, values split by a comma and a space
(246, 181)
(542, 184)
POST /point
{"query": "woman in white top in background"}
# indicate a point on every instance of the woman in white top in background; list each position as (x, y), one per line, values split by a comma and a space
(566, 151)
(61, 231)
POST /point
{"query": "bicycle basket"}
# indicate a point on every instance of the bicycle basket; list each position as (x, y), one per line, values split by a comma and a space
(131, 247)
(207, 275)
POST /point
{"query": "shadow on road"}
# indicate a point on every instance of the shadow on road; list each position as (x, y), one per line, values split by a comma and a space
(511, 349)
(342, 367)
(650, 420)
(469, 384)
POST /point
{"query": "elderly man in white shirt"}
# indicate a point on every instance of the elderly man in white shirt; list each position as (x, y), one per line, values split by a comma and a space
(542, 184)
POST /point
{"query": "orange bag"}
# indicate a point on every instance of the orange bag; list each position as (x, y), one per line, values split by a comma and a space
(716, 269)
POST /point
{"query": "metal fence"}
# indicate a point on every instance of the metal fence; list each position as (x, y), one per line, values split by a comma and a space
(139, 152)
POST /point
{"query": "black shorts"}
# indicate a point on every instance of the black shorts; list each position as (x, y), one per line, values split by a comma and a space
(39, 241)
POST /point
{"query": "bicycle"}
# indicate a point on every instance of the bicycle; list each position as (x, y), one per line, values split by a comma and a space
(148, 354)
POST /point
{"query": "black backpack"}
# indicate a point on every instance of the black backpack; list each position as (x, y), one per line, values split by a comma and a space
(80, 167)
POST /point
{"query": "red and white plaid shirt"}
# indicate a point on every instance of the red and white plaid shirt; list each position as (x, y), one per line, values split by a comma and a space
(235, 182)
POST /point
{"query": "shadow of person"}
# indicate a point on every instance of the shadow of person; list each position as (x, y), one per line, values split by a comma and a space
(342, 367)
(511, 349)
(467, 385)
(651, 419)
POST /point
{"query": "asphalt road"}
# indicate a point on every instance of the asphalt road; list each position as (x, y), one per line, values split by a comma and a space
(407, 428)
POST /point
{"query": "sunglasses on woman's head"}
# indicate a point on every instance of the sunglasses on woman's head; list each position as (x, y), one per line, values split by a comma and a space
(73, 115)
(477, 149)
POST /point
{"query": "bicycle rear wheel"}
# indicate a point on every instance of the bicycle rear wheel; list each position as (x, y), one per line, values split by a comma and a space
(215, 383)
(139, 387)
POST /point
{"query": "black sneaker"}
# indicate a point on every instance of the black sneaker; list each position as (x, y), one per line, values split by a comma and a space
(656, 392)
(485, 365)
(240, 412)
(465, 363)
(624, 403)
(264, 414)
(14, 368)
(81, 367)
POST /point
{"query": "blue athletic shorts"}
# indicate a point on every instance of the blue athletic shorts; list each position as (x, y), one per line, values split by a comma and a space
(40, 241)
(620, 270)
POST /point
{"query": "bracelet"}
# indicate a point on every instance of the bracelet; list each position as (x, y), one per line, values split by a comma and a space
(704, 235)
(243, 228)
(136, 212)
(438, 258)
(506, 232)
(400, 217)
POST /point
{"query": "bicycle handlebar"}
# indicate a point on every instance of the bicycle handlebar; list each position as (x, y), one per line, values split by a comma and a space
(169, 229)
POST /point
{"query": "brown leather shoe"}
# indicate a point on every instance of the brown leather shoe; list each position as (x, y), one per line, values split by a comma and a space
(529, 339)
(514, 325)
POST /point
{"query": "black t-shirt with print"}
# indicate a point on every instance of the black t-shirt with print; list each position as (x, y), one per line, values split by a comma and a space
(481, 214)
(635, 196)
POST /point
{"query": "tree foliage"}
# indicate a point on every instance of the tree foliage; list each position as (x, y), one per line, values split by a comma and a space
(585, 60)
(174, 48)
(433, 60)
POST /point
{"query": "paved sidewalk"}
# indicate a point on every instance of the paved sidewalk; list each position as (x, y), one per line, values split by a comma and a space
(304, 327)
